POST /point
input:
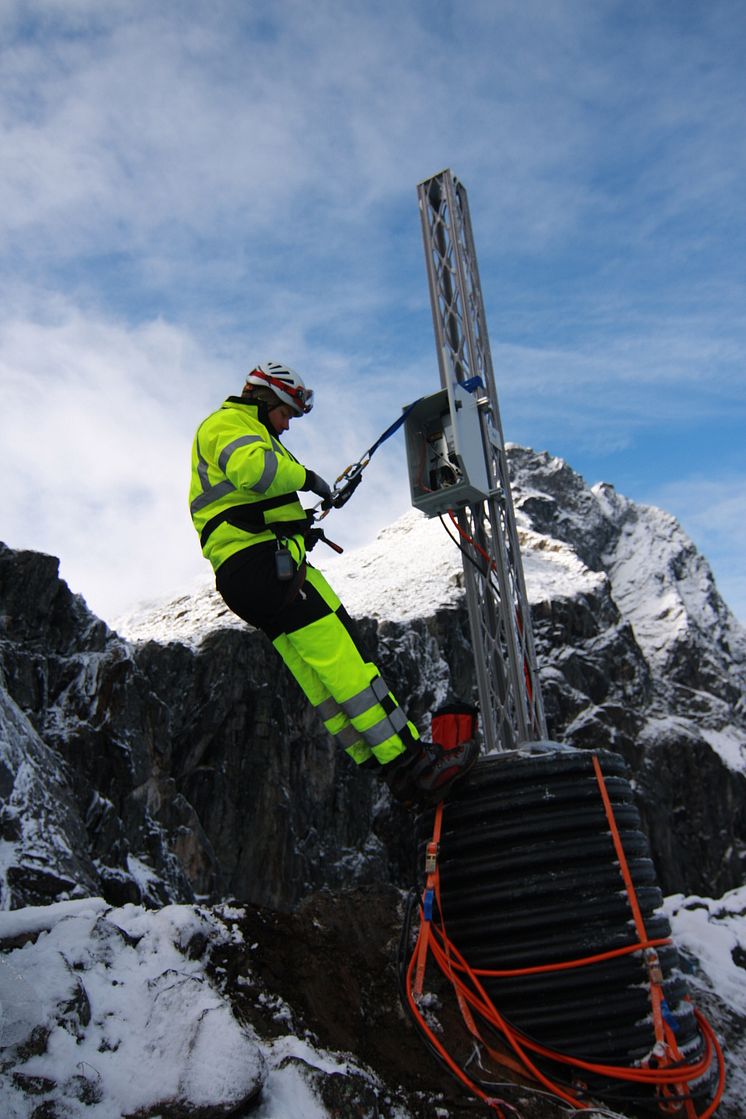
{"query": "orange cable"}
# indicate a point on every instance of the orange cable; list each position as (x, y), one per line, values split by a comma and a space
(431, 870)
(674, 1075)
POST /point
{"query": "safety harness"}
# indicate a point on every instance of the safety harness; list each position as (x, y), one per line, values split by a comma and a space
(250, 516)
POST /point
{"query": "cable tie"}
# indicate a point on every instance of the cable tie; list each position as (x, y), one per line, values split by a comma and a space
(431, 858)
(654, 966)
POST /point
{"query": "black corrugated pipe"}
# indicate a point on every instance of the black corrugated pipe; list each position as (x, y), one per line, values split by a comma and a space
(529, 876)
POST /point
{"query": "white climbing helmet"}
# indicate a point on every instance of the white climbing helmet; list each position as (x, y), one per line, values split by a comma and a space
(285, 384)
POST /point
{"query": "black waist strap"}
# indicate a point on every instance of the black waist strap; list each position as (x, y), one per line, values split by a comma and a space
(250, 517)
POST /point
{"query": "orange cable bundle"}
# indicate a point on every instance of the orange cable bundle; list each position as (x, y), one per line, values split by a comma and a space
(665, 1071)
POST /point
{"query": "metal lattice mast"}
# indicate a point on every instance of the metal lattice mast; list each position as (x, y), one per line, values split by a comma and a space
(499, 617)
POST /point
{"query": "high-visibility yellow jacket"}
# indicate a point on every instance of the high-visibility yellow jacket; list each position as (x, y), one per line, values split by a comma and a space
(243, 480)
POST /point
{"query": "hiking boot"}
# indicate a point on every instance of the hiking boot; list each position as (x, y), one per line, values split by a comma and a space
(426, 773)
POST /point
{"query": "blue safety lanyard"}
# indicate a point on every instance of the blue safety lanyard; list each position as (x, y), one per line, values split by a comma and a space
(350, 478)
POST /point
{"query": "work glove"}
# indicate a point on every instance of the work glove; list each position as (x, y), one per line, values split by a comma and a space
(317, 485)
(312, 538)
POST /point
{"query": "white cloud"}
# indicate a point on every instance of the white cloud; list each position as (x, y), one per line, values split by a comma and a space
(247, 116)
(96, 422)
(96, 425)
(611, 389)
(247, 173)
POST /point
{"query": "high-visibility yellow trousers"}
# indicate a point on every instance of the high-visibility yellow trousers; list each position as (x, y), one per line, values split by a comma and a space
(348, 692)
(314, 636)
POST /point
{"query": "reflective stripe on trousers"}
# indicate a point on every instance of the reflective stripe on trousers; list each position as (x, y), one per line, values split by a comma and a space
(349, 694)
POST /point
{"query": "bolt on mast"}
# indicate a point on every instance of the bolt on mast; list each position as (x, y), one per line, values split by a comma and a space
(499, 617)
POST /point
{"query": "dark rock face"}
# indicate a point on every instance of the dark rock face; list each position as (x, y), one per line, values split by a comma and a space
(354, 937)
(650, 664)
(173, 772)
(96, 727)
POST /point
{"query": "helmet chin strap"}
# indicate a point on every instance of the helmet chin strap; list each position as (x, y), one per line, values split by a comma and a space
(263, 410)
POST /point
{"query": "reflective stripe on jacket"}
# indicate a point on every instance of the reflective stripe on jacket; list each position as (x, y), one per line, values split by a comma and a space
(237, 464)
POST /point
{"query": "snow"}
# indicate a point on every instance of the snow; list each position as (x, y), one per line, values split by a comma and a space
(34, 919)
(188, 617)
(410, 570)
(376, 581)
(414, 567)
(712, 931)
(160, 1030)
(40, 821)
(659, 581)
(729, 745)
(133, 1020)
(552, 569)
(661, 586)
(289, 1095)
(142, 874)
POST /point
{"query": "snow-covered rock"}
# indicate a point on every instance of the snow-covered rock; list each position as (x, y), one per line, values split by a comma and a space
(171, 762)
(44, 848)
(107, 1013)
(183, 737)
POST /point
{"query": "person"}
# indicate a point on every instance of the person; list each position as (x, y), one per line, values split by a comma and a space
(255, 532)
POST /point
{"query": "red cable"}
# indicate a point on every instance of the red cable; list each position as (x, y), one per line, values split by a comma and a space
(470, 540)
(492, 566)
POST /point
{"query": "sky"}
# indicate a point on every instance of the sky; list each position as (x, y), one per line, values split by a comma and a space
(188, 189)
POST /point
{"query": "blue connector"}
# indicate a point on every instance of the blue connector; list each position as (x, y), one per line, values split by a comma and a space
(427, 904)
(669, 1016)
(472, 384)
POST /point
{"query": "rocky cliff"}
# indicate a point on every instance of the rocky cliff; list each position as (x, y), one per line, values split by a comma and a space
(180, 762)
(173, 761)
